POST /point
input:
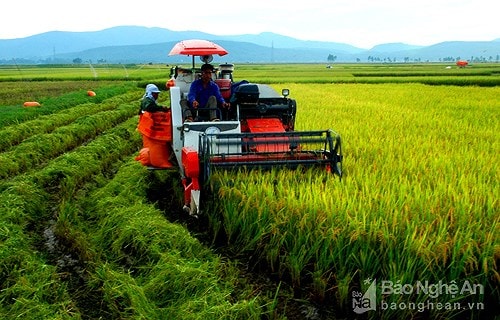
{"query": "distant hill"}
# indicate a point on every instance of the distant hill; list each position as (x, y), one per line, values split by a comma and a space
(243, 52)
(394, 47)
(134, 44)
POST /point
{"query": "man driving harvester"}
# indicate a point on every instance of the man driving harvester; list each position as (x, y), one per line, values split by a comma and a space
(203, 94)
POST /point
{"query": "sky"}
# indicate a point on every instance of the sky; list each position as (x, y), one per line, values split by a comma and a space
(361, 23)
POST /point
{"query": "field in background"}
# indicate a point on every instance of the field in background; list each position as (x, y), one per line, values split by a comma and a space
(83, 235)
(484, 74)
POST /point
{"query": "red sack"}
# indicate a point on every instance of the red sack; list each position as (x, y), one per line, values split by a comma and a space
(156, 125)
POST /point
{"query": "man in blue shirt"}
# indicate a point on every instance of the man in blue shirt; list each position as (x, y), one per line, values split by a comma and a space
(204, 93)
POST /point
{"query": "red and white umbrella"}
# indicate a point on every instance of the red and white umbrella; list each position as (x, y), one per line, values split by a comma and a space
(196, 47)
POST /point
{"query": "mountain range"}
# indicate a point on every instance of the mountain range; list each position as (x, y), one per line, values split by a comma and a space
(136, 44)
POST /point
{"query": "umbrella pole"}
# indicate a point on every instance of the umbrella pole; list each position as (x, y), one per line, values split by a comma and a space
(192, 71)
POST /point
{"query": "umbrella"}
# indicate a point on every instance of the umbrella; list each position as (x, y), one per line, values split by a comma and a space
(197, 47)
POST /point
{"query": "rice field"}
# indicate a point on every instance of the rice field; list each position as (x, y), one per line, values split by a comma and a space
(418, 202)
(86, 232)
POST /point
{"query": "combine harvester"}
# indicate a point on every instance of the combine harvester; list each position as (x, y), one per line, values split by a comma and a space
(257, 131)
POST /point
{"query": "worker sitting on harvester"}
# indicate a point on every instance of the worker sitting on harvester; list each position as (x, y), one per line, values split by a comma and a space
(203, 93)
(155, 126)
(149, 100)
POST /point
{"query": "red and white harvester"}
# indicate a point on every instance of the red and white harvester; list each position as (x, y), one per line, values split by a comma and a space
(257, 131)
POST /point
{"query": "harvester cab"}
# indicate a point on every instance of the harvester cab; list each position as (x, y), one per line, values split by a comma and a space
(257, 131)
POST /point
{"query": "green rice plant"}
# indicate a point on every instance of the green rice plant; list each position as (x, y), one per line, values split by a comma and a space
(14, 134)
(31, 288)
(17, 92)
(83, 73)
(24, 198)
(67, 172)
(147, 267)
(39, 148)
(13, 114)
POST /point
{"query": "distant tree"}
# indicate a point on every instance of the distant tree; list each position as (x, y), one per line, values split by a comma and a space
(77, 61)
(331, 58)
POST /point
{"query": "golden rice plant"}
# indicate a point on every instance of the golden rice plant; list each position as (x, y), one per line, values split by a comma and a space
(417, 202)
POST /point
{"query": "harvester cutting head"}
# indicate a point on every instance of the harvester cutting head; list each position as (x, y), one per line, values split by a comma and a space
(267, 150)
